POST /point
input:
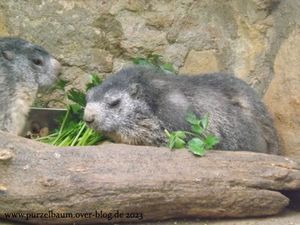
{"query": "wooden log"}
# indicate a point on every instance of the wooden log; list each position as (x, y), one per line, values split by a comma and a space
(123, 183)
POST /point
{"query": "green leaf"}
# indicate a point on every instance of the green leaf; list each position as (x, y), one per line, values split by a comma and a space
(176, 139)
(140, 61)
(155, 59)
(192, 118)
(210, 141)
(73, 130)
(76, 108)
(168, 67)
(77, 96)
(95, 80)
(172, 141)
(197, 129)
(61, 84)
(179, 143)
(180, 134)
(197, 146)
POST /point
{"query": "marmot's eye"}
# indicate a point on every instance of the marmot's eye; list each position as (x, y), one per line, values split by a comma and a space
(38, 62)
(114, 103)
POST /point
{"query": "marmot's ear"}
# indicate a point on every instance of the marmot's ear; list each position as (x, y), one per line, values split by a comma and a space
(134, 89)
(9, 55)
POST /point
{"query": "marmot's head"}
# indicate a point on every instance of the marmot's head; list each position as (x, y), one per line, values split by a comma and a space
(28, 63)
(119, 107)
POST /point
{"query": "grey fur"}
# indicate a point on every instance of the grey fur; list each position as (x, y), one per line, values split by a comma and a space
(25, 68)
(135, 105)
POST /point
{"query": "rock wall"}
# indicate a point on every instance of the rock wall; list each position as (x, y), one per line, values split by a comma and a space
(258, 40)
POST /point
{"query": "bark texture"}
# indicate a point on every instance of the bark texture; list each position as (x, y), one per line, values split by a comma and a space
(107, 183)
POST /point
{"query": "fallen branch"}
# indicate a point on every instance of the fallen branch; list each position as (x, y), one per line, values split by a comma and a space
(144, 183)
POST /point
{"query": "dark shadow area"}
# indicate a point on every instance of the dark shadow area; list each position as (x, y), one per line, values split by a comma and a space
(294, 197)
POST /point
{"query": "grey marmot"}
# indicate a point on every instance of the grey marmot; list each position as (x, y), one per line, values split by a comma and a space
(135, 105)
(25, 68)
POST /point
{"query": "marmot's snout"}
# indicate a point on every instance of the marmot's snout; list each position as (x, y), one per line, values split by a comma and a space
(89, 114)
(56, 66)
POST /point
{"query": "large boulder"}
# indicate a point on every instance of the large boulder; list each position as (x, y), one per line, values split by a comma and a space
(283, 95)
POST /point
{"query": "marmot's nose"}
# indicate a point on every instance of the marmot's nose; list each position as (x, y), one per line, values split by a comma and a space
(89, 118)
(56, 66)
(89, 115)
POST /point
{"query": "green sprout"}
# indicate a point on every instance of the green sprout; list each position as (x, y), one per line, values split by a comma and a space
(198, 141)
(73, 131)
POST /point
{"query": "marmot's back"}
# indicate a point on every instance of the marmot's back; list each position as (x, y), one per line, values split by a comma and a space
(135, 105)
(24, 68)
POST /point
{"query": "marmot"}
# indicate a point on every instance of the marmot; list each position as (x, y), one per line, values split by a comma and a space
(137, 104)
(25, 68)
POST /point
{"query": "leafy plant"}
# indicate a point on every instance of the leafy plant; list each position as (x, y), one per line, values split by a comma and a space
(73, 130)
(197, 141)
(156, 61)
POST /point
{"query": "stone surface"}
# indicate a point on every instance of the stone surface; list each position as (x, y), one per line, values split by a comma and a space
(198, 62)
(93, 34)
(175, 54)
(138, 39)
(283, 95)
(240, 37)
(3, 30)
